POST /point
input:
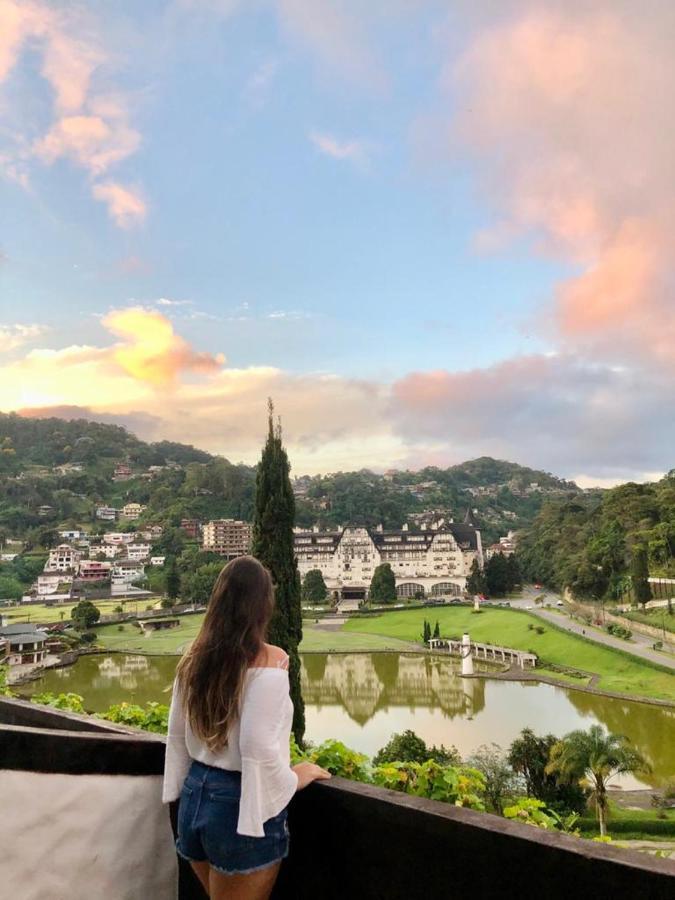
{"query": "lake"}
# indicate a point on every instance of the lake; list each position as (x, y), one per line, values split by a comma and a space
(364, 698)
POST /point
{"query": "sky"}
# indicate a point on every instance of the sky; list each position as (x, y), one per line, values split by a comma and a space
(429, 230)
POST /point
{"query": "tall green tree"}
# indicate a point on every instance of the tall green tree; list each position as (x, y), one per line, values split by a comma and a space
(314, 588)
(528, 757)
(382, 585)
(595, 756)
(172, 581)
(476, 583)
(273, 521)
(639, 570)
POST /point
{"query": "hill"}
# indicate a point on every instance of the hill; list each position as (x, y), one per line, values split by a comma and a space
(587, 543)
(54, 472)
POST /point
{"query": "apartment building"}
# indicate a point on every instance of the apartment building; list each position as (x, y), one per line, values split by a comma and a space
(227, 537)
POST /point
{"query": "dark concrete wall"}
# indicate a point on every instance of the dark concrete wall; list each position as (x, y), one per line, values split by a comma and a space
(356, 842)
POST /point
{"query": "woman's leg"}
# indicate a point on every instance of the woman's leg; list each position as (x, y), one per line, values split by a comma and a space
(254, 886)
(202, 870)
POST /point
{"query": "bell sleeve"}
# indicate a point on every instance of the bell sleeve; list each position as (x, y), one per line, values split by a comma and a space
(177, 759)
(267, 780)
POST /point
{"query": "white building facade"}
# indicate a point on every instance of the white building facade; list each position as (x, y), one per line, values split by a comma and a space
(429, 563)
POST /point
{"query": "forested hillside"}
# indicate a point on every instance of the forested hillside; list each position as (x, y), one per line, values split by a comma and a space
(589, 543)
(54, 472)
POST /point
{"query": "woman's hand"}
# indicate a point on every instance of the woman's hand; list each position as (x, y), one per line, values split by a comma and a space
(308, 772)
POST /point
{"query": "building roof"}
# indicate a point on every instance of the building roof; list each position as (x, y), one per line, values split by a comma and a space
(23, 631)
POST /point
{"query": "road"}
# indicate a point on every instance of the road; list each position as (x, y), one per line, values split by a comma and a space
(640, 645)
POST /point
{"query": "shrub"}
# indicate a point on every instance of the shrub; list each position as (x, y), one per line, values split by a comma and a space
(88, 637)
(70, 702)
(459, 785)
(153, 717)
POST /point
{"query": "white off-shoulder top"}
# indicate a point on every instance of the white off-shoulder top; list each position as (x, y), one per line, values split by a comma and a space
(258, 747)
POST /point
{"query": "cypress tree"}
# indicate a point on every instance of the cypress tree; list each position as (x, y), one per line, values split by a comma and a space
(273, 521)
(642, 591)
(437, 630)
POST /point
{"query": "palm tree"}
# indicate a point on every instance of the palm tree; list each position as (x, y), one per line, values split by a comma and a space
(595, 756)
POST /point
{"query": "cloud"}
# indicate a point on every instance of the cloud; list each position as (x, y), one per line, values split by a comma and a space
(13, 336)
(556, 411)
(165, 301)
(89, 126)
(567, 111)
(125, 206)
(151, 351)
(355, 151)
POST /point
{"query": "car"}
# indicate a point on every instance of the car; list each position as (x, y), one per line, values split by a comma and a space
(560, 603)
(528, 607)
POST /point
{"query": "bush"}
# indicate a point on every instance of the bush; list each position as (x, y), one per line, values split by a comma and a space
(88, 637)
(459, 785)
(120, 628)
(153, 717)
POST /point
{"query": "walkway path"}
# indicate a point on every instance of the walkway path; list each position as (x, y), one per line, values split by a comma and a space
(640, 646)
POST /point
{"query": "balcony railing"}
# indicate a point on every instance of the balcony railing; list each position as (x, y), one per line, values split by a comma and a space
(85, 796)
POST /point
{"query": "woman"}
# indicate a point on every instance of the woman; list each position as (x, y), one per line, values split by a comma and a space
(228, 753)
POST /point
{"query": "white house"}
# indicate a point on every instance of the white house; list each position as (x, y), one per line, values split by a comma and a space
(107, 513)
(126, 572)
(63, 558)
(157, 560)
(119, 537)
(138, 551)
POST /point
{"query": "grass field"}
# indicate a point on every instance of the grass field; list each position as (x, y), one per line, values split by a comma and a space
(38, 612)
(175, 639)
(509, 628)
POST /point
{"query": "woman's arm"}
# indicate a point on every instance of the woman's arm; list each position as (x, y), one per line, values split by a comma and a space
(267, 782)
(177, 759)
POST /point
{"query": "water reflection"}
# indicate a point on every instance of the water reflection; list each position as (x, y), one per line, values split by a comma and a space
(365, 683)
(363, 698)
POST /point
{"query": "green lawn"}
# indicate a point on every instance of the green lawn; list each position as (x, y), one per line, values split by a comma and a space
(131, 638)
(38, 612)
(318, 639)
(175, 639)
(509, 628)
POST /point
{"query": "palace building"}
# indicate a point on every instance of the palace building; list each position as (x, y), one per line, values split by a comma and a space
(431, 562)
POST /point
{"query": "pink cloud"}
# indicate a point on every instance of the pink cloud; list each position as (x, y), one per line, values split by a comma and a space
(90, 128)
(568, 113)
(355, 151)
(125, 206)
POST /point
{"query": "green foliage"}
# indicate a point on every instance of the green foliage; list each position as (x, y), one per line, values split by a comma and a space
(314, 588)
(409, 747)
(5, 690)
(172, 580)
(529, 757)
(476, 582)
(639, 573)
(619, 631)
(151, 717)
(596, 756)
(592, 543)
(383, 585)
(500, 779)
(273, 545)
(338, 759)
(426, 632)
(85, 614)
(501, 575)
(530, 811)
(460, 785)
(70, 702)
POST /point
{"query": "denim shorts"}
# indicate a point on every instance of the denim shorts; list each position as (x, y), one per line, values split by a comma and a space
(207, 824)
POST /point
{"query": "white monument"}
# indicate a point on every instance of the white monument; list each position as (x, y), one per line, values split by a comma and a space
(467, 659)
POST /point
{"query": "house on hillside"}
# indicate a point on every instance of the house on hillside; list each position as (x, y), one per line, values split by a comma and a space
(63, 558)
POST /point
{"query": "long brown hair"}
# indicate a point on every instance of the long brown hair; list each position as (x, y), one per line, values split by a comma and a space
(211, 673)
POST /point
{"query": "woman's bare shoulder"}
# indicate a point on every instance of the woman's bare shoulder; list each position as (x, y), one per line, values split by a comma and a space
(271, 657)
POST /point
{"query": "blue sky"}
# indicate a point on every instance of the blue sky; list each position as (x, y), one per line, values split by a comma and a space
(323, 194)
